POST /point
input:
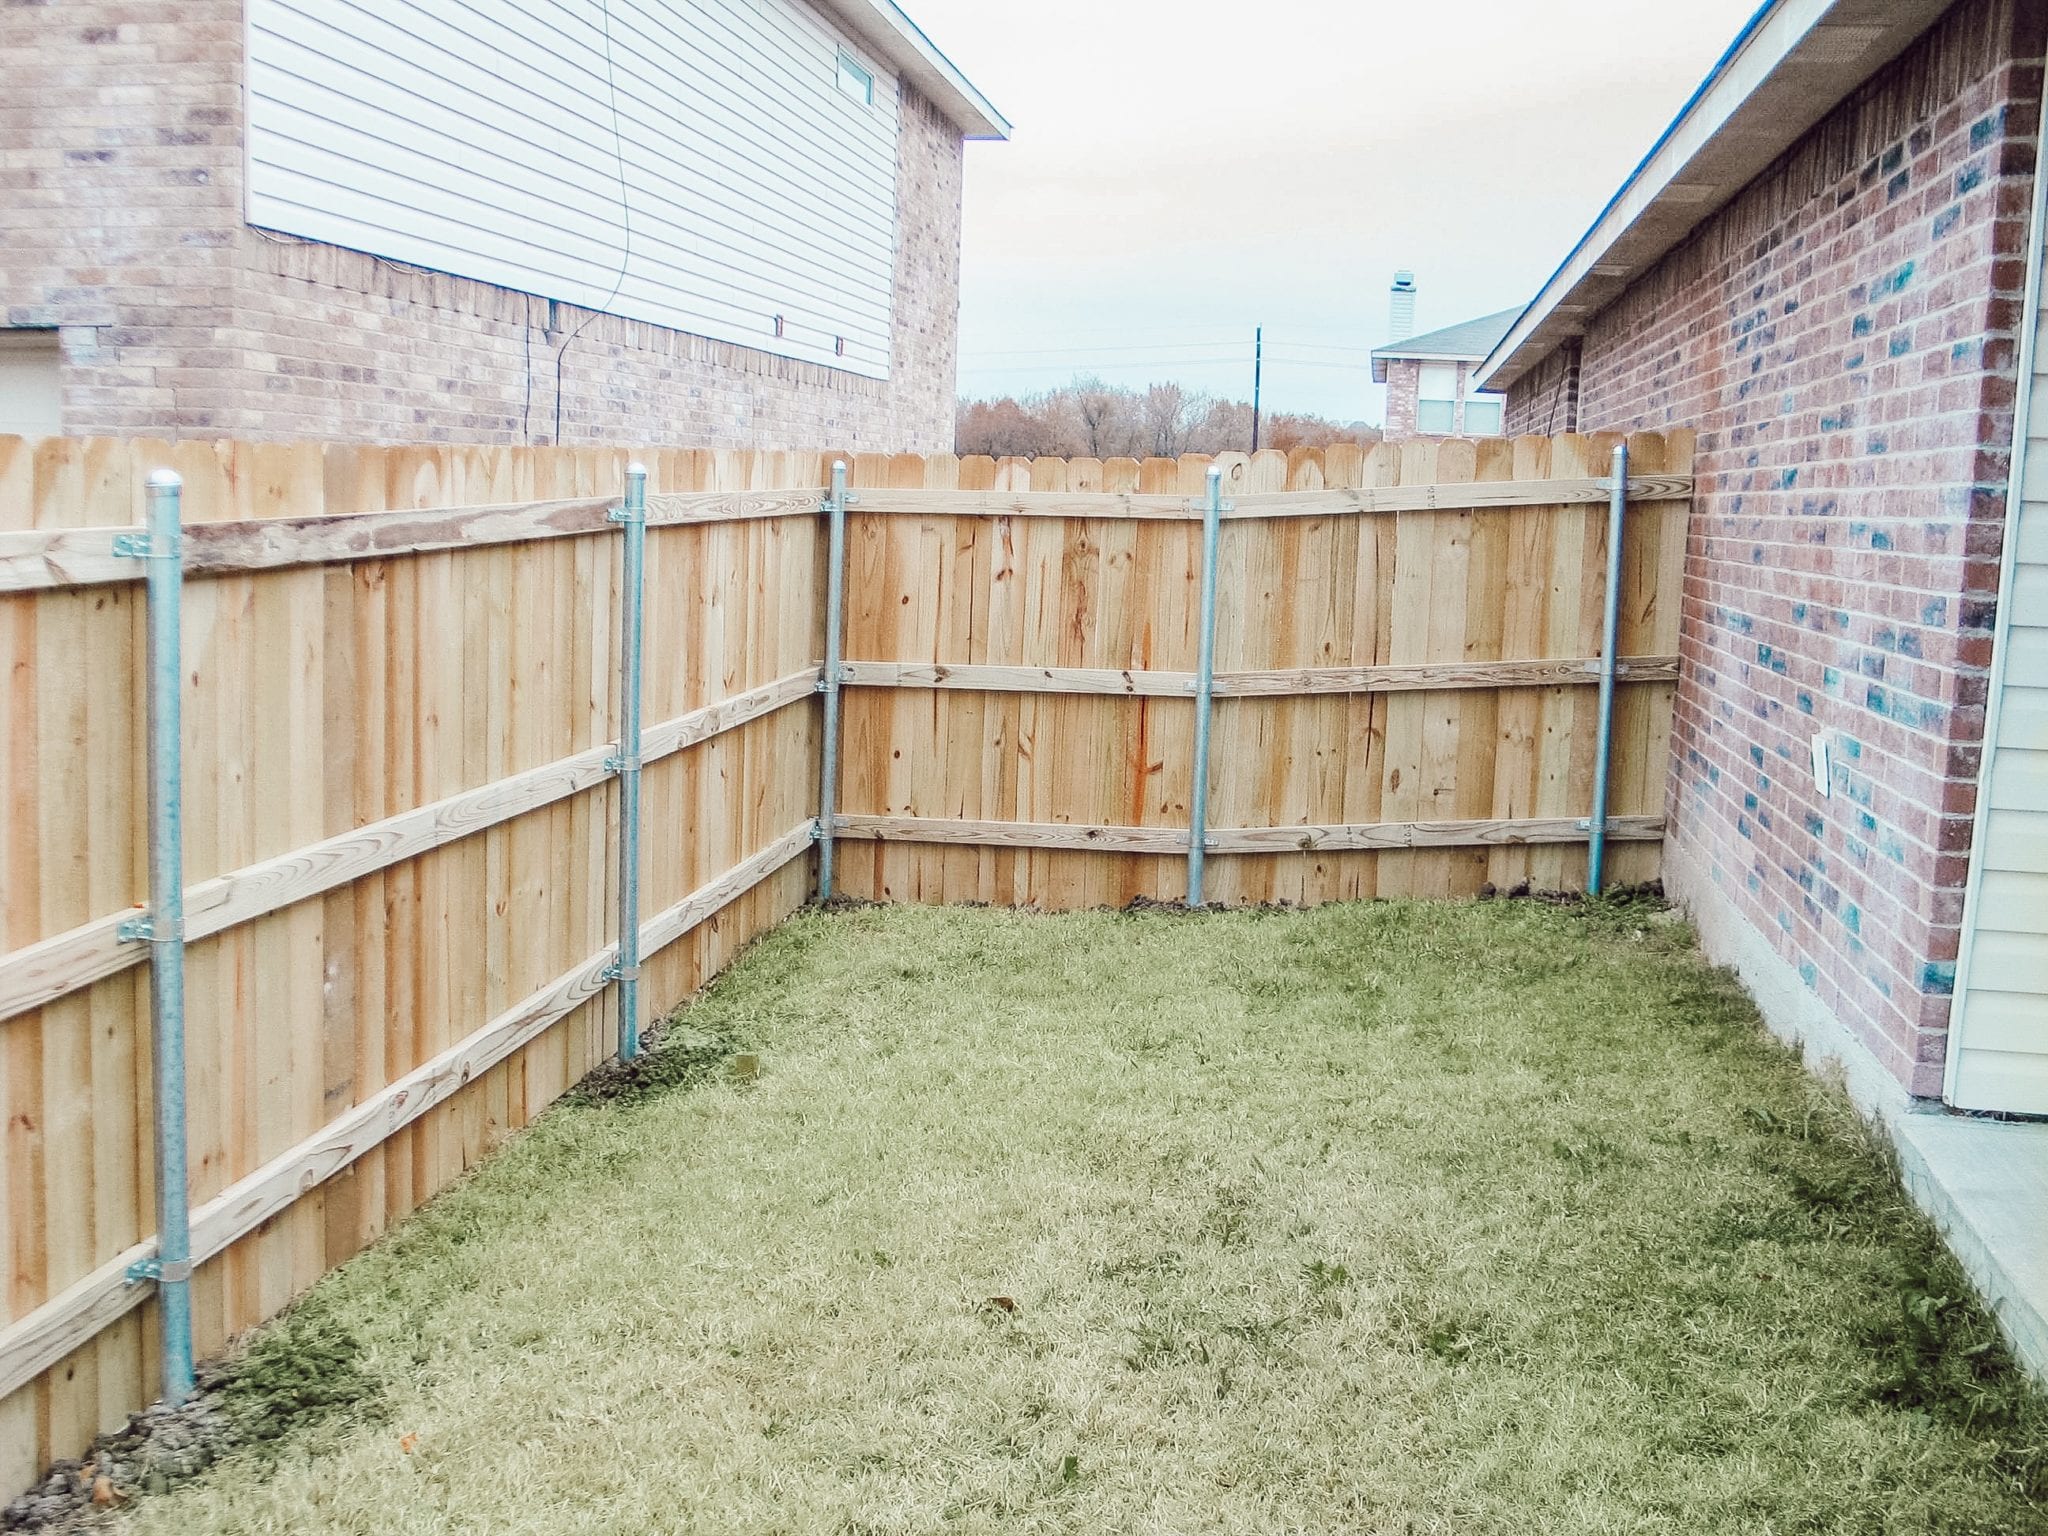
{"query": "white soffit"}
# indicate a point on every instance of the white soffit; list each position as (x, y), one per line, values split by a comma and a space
(1794, 63)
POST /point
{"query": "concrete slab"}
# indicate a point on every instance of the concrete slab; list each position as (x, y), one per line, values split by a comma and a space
(1985, 1183)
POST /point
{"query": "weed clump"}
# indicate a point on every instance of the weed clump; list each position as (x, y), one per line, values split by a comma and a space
(302, 1370)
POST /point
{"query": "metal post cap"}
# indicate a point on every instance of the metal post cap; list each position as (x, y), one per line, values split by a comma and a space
(636, 468)
(165, 480)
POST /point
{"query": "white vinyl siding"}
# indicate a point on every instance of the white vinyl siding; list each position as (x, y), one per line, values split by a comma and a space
(1999, 1051)
(476, 137)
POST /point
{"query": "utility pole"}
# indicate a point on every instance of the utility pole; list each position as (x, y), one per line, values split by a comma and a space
(1258, 369)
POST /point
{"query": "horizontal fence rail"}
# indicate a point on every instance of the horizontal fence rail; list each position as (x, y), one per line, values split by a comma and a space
(62, 964)
(404, 737)
(1251, 508)
(1303, 682)
(1385, 836)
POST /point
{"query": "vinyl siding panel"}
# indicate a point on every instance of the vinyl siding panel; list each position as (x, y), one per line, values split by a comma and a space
(1999, 1049)
(477, 137)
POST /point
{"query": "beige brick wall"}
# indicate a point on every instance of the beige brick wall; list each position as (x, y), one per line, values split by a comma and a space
(121, 199)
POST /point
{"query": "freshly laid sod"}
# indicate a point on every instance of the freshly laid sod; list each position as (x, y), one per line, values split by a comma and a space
(1498, 1217)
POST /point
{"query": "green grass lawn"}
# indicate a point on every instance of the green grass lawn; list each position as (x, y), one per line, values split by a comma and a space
(1499, 1217)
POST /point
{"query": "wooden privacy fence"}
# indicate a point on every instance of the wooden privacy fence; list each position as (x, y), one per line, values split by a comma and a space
(400, 844)
(1407, 651)
(400, 715)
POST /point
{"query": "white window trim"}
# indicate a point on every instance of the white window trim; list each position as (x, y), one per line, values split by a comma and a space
(856, 80)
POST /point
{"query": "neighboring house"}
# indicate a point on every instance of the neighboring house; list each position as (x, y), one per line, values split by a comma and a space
(1431, 391)
(721, 222)
(1825, 266)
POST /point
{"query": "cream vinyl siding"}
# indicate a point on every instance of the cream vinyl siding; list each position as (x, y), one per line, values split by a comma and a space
(1999, 1051)
(477, 137)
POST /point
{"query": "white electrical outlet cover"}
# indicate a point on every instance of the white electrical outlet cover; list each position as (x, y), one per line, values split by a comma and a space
(1823, 779)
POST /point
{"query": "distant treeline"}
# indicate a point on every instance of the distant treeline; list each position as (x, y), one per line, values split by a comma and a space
(1091, 419)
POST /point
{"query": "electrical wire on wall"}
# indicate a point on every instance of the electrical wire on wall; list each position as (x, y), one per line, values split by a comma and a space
(625, 212)
(526, 359)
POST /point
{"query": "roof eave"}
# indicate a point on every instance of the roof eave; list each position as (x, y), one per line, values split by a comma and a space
(1790, 66)
(883, 26)
(1389, 354)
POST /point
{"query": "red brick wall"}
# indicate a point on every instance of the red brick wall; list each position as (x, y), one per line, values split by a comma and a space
(121, 224)
(1404, 381)
(1547, 402)
(1843, 338)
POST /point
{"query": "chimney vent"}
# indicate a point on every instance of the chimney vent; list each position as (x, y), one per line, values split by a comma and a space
(1401, 316)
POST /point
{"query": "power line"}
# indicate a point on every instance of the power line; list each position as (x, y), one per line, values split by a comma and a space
(1164, 346)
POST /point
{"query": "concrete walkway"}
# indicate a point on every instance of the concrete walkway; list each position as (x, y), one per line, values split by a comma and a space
(1985, 1182)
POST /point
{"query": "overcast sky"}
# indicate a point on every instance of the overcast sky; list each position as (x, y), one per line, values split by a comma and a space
(1183, 170)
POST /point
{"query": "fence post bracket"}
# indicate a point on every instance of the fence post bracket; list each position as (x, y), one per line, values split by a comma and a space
(146, 929)
(142, 1271)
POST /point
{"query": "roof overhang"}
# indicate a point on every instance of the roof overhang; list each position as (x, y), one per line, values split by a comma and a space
(882, 25)
(1794, 63)
(1386, 355)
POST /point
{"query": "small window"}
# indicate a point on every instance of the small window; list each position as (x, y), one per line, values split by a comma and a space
(856, 79)
(1484, 415)
(31, 397)
(1435, 418)
(1438, 381)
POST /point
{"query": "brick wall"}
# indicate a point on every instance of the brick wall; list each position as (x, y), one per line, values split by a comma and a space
(1547, 401)
(1404, 381)
(1843, 337)
(1404, 393)
(121, 223)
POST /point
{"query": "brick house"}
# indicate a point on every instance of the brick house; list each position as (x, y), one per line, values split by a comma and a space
(721, 224)
(1830, 266)
(1431, 379)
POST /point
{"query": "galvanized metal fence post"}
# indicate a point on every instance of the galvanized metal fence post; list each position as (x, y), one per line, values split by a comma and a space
(632, 634)
(1610, 630)
(1205, 689)
(828, 682)
(162, 548)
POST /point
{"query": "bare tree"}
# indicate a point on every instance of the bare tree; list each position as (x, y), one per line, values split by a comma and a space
(1170, 414)
(1092, 419)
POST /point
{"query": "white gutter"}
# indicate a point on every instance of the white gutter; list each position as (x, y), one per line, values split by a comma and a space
(1789, 67)
(884, 27)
